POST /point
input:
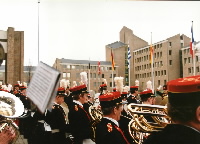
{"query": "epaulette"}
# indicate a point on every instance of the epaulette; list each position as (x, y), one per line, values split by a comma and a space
(109, 126)
(76, 107)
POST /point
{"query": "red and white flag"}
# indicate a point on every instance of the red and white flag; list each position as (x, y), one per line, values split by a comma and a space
(99, 68)
(192, 42)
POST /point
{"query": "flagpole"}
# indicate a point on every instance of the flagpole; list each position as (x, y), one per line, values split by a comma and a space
(89, 76)
(112, 80)
(129, 71)
(38, 30)
(193, 54)
(152, 71)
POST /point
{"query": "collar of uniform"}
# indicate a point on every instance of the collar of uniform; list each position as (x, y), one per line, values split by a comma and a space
(113, 120)
(56, 103)
(78, 102)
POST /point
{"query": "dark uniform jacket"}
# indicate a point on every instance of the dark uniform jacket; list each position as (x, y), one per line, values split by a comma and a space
(174, 134)
(131, 100)
(58, 124)
(107, 132)
(79, 121)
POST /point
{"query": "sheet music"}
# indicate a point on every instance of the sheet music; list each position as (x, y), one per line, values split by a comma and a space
(42, 88)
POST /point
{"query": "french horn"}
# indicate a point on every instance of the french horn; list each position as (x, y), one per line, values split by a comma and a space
(11, 107)
(96, 115)
(140, 127)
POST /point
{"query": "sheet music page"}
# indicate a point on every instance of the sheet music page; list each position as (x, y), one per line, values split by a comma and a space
(41, 89)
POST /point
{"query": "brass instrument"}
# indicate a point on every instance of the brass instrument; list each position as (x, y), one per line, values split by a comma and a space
(96, 115)
(11, 107)
(140, 127)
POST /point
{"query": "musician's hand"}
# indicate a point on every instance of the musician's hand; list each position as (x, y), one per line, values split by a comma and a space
(7, 135)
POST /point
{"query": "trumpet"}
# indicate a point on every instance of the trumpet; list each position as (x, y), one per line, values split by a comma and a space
(140, 126)
(11, 108)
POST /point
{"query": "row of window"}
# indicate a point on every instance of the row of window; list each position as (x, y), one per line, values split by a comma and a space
(148, 66)
(189, 60)
(191, 70)
(147, 57)
(83, 67)
(92, 75)
(147, 75)
(148, 49)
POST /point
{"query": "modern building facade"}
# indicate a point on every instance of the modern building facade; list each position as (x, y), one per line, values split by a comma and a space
(71, 69)
(167, 58)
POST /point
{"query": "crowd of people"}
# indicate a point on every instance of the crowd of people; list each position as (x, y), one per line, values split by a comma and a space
(56, 125)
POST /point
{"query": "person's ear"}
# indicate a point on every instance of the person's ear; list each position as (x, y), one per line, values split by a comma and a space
(198, 114)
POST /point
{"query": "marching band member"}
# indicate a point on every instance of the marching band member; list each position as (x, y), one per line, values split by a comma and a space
(57, 119)
(162, 99)
(79, 118)
(133, 94)
(107, 130)
(184, 109)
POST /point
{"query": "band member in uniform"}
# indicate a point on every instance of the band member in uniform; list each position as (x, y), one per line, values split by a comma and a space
(79, 118)
(57, 119)
(184, 109)
(162, 99)
(42, 130)
(147, 97)
(88, 103)
(133, 94)
(125, 118)
(25, 124)
(107, 130)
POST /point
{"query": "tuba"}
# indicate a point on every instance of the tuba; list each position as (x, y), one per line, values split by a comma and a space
(146, 119)
(11, 107)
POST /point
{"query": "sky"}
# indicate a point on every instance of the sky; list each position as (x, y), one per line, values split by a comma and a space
(80, 29)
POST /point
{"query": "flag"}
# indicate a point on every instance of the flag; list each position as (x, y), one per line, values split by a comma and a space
(128, 56)
(99, 68)
(112, 60)
(151, 54)
(192, 42)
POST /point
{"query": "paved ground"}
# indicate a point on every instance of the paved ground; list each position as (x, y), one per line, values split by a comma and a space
(21, 140)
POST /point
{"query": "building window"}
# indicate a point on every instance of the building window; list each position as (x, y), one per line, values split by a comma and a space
(155, 73)
(158, 82)
(68, 66)
(102, 75)
(160, 45)
(94, 75)
(189, 60)
(158, 73)
(165, 82)
(64, 74)
(170, 52)
(185, 60)
(73, 67)
(170, 44)
(165, 72)
(197, 69)
(170, 62)
(160, 54)
(110, 84)
(189, 70)
(68, 75)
